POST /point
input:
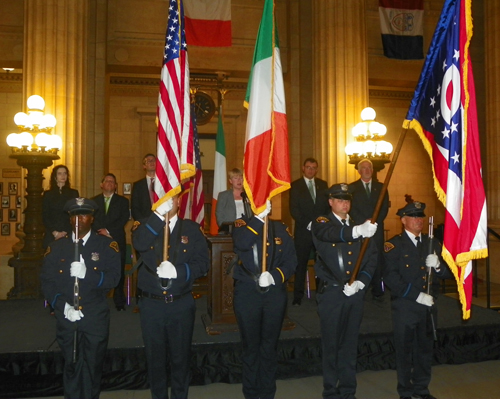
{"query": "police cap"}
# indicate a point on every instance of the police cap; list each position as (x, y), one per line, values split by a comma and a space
(80, 206)
(340, 191)
(413, 209)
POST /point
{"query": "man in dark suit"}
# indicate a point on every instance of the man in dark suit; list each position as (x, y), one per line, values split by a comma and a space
(110, 220)
(365, 193)
(307, 201)
(142, 190)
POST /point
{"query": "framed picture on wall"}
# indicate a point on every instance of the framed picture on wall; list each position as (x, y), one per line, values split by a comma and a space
(6, 229)
(12, 188)
(12, 215)
(5, 201)
(19, 227)
(18, 201)
(127, 188)
(1, 215)
(1, 188)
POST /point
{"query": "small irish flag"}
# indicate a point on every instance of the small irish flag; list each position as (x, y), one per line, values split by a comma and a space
(220, 178)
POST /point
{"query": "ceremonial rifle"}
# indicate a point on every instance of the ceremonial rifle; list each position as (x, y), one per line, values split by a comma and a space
(429, 272)
(76, 289)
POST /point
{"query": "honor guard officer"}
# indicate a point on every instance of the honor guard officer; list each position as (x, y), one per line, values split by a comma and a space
(77, 291)
(167, 305)
(260, 298)
(407, 261)
(340, 305)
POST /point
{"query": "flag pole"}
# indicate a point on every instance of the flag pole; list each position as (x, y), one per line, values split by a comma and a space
(264, 246)
(376, 211)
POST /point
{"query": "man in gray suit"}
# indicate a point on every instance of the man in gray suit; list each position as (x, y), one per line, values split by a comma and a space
(308, 200)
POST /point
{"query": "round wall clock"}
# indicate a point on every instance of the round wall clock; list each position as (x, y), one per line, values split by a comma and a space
(204, 107)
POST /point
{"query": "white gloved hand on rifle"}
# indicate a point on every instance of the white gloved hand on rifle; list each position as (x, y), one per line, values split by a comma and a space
(78, 269)
(353, 288)
(432, 260)
(166, 269)
(266, 211)
(266, 279)
(367, 229)
(425, 299)
(71, 313)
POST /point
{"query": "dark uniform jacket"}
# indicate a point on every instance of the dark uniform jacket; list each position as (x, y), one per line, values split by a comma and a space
(188, 251)
(302, 207)
(116, 218)
(281, 258)
(338, 252)
(102, 260)
(405, 270)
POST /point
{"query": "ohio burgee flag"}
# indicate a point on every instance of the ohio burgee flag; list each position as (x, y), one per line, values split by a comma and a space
(443, 113)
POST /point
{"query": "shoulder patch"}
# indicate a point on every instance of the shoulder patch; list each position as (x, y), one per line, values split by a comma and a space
(388, 246)
(322, 219)
(239, 223)
(289, 232)
(136, 225)
(114, 245)
(47, 251)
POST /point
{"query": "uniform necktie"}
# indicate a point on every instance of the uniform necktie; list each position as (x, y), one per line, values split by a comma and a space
(311, 190)
(419, 244)
(367, 187)
(106, 204)
(151, 191)
(344, 222)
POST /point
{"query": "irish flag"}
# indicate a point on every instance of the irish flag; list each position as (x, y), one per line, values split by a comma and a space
(220, 180)
(266, 162)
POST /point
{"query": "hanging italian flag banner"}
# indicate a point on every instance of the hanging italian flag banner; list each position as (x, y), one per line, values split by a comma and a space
(266, 168)
(220, 180)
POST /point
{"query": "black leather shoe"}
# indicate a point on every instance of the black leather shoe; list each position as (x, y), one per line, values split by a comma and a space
(120, 308)
(424, 396)
(296, 302)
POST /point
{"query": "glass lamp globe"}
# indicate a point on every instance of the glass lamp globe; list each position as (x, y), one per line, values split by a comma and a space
(368, 114)
(55, 142)
(368, 146)
(21, 119)
(42, 139)
(13, 140)
(36, 102)
(26, 139)
(49, 121)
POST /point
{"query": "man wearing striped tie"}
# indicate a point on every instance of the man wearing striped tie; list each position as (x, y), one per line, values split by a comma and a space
(110, 220)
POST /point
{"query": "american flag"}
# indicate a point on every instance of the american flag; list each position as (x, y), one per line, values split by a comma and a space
(175, 144)
(193, 201)
(443, 113)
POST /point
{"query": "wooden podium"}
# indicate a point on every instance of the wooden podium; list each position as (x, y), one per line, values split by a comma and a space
(220, 314)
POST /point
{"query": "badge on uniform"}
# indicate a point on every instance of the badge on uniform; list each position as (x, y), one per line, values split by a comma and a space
(322, 219)
(277, 240)
(115, 246)
(135, 225)
(388, 246)
(184, 239)
(239, 223)
(95, 256)
(47, 251)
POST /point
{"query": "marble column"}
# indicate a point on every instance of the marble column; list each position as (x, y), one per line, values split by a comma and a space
(492, 69)
(55, 52)
(340, 82)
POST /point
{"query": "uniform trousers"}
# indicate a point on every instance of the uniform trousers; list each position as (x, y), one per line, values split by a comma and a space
(82, 379)
(303, 246)
(167, 331)
(340, 320)
(260, 318)
(413, 341)
(118, 293)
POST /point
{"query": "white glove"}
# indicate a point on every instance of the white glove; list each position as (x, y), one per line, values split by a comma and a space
(432, 260)
(266, 211)
(367, 229)
(166, 270)
(266, 279)
(71, 314)
(78, 269)
(353, 288)
(166, 207)
(425, 299)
